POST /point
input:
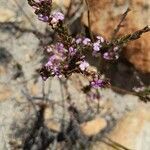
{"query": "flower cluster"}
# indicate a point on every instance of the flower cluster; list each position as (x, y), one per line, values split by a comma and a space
(112, 54)
(98, 44)
(43, 11)
(66, 56)
(97, 47)
(63, 61)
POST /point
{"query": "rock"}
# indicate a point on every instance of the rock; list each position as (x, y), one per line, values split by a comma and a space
(132, 131)
(35, 88)
(53, 125)
(105, 16)
(17, 113)
(138, 53)
(6, 15)
(2, 70)
(49, 121)
(93, 127)
(48, 113)
(65, 3)
(5, 93)
(15, 122)
(5, 56)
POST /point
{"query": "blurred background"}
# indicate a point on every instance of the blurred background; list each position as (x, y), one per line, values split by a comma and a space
(57, 114)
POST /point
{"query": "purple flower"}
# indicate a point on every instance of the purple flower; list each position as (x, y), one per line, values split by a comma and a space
(44, 78)
(72, 51)
(83, 65)
(110, 55)
(53, 66)
(86, 41)
(49, 49)
(78, 40)
(59, 47)
(96, 83)
(96, 46)
(107, 56)
(116, 56)
(115, 49)
(50, 62)
(43, 18)
(100, 38)
(56, 72)
(56, 17)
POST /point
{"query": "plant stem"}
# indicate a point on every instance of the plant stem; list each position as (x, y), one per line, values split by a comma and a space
(89, 21)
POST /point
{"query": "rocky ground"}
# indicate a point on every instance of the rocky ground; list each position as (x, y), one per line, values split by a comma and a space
(37, 115)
